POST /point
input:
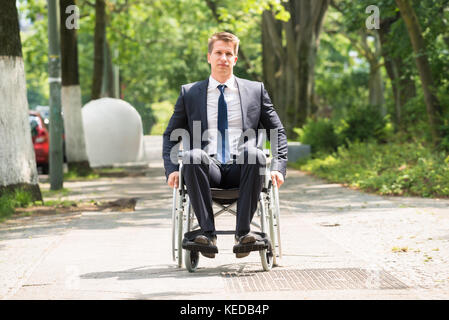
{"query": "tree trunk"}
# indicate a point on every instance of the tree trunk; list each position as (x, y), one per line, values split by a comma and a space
(71, 97)
(99, 39)
(308, 28)
(295, 58)
(376, 89)
(434, 109)
(402, 85)
(110, 74)
(376, 86)
(17, 159)
(272, 70)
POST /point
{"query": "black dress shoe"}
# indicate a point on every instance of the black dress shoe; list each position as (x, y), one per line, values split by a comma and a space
(207, 241)
(247, 238)
(244, 240)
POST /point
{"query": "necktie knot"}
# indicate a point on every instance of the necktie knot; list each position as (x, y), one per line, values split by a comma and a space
(221, 87)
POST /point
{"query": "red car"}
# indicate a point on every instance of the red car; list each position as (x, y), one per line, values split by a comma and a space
(41, 141)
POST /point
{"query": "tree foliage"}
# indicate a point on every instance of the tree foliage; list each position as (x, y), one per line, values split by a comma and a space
(162, 44)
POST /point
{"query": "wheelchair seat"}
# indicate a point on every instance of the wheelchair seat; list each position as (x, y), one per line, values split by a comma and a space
(225, 196)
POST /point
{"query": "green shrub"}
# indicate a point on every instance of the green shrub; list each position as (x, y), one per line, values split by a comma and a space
(363, 124)
(390, 169)
(415, 124)
(444, 129)
(147, 115)
(319, 134)
(162, 112)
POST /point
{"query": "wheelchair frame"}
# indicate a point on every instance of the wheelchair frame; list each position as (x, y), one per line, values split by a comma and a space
(267, 209)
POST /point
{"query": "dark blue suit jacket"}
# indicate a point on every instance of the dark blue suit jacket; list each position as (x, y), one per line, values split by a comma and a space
(257, 113)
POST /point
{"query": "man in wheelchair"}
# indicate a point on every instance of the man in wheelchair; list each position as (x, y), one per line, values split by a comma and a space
(218, 116)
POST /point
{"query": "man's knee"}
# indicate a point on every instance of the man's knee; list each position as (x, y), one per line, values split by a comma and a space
(195, 156)
(252, 155)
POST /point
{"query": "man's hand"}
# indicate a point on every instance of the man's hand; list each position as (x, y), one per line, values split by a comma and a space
(277, 178)
(173, 179)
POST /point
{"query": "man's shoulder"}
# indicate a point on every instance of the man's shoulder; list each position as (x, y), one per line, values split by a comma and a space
(193, 85)
(248, 83)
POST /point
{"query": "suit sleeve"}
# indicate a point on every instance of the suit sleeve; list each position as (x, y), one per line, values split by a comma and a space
(177, 121)
(276, 133)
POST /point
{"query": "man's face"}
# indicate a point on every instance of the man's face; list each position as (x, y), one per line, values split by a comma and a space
(222, 58)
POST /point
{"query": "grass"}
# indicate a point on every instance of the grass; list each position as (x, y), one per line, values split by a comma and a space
(59, 203)
(6, 207)
(73, 175)
(408, 169)
(110, 170)
(11, 200)
(95, 174)
(52, 193)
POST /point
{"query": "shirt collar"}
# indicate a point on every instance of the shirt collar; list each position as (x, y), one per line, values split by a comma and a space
(229, 84)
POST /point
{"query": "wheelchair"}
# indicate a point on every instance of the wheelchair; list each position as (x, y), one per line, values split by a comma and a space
(183, 219)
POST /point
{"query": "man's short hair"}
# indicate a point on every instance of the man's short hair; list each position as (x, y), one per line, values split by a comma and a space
(224, 36)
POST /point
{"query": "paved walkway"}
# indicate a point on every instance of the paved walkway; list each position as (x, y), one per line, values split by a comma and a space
(338, 244)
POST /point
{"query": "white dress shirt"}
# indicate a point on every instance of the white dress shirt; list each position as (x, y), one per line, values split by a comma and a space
(235, 124)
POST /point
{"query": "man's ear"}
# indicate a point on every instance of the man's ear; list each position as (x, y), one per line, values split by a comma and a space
(208, 57)
(235, 61)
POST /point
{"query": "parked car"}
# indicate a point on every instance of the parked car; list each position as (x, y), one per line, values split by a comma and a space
(45, 113)
(40, 134)
(41, 140)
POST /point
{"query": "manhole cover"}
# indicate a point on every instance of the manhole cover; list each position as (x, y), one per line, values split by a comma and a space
(311, 279)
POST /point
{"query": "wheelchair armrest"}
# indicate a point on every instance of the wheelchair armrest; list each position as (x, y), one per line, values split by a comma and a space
(266, 152)
(268, 157)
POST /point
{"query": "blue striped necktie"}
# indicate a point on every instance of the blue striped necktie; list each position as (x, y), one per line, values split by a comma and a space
(222, 125)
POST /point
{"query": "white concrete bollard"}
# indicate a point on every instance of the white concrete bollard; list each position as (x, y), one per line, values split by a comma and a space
(113, 132)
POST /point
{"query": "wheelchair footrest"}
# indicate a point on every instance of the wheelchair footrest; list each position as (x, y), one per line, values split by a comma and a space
(193, 246)
(248, 247)
(262, 242)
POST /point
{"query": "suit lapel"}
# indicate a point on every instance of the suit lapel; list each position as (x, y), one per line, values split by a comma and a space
(244, 95)
(202, 104)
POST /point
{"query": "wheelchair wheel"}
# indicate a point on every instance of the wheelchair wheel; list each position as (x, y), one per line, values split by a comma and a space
(274, 222)
(191, 260)
(177, 227)
(267, 259)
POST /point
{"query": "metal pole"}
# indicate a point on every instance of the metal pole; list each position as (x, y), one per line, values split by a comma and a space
(116, 76)
(54, 79)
